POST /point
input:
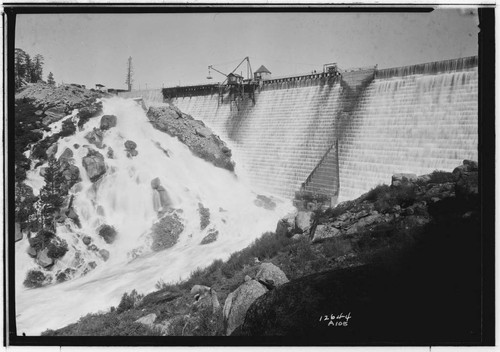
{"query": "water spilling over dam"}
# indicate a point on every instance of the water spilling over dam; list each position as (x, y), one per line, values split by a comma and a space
(341, 136)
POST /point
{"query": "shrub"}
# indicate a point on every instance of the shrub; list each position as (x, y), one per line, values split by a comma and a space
(336, 247)
(129, 301)
(385, 197)
(57, 248)
(41, 240)
(34, 278)
(439, 176)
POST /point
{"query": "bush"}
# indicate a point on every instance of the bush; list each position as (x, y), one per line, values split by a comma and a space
(385, 197)
(41, 240)
(129, 301)
(439, 176)
(336, 247)
(34, 279)
(57, 248)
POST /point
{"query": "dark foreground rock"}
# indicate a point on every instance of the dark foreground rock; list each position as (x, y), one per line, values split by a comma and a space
(416, 294)
(199, 138)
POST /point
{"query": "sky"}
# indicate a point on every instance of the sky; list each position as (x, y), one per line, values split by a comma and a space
(176, 49)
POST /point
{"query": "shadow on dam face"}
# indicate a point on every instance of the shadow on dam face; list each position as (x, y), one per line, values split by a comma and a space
(414, 119)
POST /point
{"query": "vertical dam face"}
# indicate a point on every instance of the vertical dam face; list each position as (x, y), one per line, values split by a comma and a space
(414, 123)
(342, 135)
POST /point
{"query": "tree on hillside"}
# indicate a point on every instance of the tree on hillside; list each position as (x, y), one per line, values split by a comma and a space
(130, 71)
(27, 69)
(51, 194)
(37, 74)
(19, 68)
(50, 79)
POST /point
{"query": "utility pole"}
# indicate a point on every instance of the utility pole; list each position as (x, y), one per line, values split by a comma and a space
(130, 71)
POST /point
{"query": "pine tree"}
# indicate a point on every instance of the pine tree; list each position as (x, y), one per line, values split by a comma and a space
(50, 79)
(51, 194)
(29, 75)
(19, 68)
(37, 68)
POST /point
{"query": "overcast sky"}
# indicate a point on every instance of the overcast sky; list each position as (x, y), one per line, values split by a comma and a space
(172, 49)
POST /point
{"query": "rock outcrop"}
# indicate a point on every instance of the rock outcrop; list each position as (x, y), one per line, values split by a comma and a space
(238, 301)
(210, 237)
(94, 164)
(130, 148)
(165, 201)
(107, 232)
(193, 133)
(166, 232)
(107, 121)
(270, 273)
(95, 137)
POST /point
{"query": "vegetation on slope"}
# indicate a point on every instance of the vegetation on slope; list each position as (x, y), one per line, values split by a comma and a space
(438, 198)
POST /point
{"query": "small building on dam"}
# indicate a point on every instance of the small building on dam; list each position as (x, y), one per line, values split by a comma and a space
(339, 135)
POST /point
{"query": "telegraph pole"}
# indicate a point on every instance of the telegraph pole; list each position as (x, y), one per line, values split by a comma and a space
(130, 71)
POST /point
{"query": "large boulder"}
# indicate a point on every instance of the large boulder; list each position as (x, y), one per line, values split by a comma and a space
(107, 121)
(271, 274)
(70, 173)
(467, 184)
(210, 237)
(107, 232)
(66, 155)
(18, 233)
(402, 179)
(238, 302)
(43, 258)
(299, 307)
(193, 133)
(364, 222)
(94, 164)
(204, 216)
(130, 148)
(325, 231)
(165, 200)
(166, 232)
(286, 226)
(51, 151)
(303, 221)
(95, 137)
(130, 145)
(54, 114)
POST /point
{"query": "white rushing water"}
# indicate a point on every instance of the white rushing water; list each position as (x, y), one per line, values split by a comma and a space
(125, 199)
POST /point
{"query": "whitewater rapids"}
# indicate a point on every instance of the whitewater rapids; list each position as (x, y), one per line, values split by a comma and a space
(124, 199)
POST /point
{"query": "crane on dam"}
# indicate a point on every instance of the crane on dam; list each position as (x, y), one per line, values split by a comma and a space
(236, 84)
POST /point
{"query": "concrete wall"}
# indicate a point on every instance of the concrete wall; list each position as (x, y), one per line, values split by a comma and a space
(410, 119)
(416, 123)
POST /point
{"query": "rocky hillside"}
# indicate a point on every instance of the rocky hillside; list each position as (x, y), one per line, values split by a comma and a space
(193, 133)
(392, 266)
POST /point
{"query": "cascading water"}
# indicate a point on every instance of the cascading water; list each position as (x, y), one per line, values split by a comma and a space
(417, 124)
(124, 199)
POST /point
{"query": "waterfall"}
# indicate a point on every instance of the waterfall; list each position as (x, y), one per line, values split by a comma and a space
(124, 199)
(282, 137)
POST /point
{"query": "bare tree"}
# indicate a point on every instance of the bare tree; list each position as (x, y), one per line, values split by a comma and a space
(130, 71)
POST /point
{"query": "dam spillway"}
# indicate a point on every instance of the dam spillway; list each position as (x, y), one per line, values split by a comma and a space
(341, 136)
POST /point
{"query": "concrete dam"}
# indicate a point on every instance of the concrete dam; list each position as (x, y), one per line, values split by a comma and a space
(341, 135)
